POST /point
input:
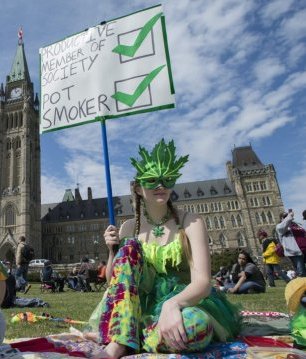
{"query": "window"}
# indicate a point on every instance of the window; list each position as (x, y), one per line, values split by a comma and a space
(208, 223)
(216, 223)
(263, 185)
(200, 193)
(227, 189)
(264, 217)
(222, 222)
(213, 191)
(187, 193)
(10, 216)
(240, 240)
(270, 217)
(256, 186)
(239, 220)
(266, 201)
(222, 240)
(257, 217)
(248, 187)
(233, 220)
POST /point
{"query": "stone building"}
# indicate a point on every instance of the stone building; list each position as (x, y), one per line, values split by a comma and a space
(19, 159)
(233, 208)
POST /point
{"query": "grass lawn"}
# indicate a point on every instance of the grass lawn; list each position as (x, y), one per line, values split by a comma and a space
(79, 306)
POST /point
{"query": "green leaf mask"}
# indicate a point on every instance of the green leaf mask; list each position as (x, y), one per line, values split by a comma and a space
(160, 167)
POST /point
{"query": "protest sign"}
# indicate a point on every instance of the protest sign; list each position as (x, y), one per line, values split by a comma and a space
(117, 68)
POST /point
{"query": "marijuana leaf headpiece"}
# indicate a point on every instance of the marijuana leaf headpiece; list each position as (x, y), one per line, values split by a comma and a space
(159, 167)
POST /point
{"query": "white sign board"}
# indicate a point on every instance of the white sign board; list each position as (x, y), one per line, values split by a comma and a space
(118, 68)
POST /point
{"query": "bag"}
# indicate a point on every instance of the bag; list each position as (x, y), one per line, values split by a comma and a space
(279, 250)
(28, 253)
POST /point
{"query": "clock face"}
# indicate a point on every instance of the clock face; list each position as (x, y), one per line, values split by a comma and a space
(16, 92)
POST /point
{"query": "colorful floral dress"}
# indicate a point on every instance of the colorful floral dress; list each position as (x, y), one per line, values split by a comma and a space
(145, 275)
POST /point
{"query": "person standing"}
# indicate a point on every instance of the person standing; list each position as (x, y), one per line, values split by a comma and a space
(3, 277)
(270, 258)
(292, 238)
(22, 263)
(304, 219)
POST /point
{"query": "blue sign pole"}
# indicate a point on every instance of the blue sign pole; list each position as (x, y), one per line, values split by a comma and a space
(107, 174)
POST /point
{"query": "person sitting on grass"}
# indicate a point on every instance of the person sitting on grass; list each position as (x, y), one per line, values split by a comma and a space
(159, 297)
(250, 278)
(49, 276)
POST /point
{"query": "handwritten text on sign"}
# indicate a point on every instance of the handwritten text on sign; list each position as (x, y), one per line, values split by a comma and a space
(110, 70)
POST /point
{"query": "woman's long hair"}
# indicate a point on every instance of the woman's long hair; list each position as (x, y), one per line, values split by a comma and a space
(247, 256)
(137, 199)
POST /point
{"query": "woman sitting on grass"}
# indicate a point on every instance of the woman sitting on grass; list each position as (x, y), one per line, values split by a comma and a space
(249, 277)
(159, 297)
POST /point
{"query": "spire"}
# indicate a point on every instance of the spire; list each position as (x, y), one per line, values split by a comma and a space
(19, 69)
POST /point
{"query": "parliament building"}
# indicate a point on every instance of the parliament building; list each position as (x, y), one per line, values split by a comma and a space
(233, 208)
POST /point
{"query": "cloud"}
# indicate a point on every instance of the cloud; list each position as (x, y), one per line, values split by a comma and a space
(275, 9)
(268, 69)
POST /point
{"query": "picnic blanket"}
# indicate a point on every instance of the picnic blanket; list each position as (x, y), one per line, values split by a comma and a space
(75, 345)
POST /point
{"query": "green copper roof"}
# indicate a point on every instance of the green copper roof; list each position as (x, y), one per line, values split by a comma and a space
(19, 69)
(68, 196)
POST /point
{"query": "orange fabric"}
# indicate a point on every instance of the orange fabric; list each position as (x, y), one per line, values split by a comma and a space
(102, 272)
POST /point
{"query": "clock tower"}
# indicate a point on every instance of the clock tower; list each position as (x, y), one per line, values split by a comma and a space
(19, 160)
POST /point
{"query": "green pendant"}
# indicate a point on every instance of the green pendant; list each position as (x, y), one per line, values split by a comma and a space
(158, 231)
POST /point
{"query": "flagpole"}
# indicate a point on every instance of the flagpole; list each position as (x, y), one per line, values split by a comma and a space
(107, 174)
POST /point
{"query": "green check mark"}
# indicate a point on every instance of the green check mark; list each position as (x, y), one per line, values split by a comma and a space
(130, 50)
(129, 100)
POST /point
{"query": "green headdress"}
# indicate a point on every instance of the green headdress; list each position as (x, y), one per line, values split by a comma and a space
(159, 167)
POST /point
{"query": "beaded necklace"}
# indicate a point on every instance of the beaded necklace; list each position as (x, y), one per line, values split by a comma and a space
(158, 229)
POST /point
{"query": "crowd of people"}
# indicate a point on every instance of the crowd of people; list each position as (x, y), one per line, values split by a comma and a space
(77, 279)
(245, 277)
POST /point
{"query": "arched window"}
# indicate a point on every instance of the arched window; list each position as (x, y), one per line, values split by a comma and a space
(216, 223)
(264, 217)
(241, 240)
(233, 219)
(10, 216)
(8, 144)
(20, 119)
(239, 220)
(270, 217)
(257, 217)
(222, 240)
(18, 142)
(222, 222)
(17, 176)
(208, 223)
(15, 119)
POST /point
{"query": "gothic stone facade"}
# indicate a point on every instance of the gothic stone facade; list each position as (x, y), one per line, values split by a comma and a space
(234, 209)
(19, 160)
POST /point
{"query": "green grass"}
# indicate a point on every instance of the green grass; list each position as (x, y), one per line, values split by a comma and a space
(79, 306)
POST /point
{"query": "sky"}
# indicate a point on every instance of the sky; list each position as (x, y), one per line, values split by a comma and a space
(239, 75)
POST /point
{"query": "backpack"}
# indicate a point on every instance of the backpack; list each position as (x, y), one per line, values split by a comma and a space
(279, 250)
(28, 252)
